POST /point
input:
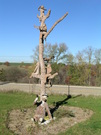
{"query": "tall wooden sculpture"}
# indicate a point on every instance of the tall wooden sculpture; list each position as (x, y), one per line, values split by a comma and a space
(42, 72)
(43, 76)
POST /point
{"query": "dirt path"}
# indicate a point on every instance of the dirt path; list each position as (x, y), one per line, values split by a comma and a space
(19, 121)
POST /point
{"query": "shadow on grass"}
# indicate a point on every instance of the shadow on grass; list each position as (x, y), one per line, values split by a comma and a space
(63, 102)
(77, 96)
(59, 103)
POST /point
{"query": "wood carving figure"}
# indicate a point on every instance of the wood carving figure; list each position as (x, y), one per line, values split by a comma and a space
(42, 108)
(45, 72)
(48, 74)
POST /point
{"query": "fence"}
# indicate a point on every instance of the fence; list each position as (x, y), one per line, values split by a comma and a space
(55, 89)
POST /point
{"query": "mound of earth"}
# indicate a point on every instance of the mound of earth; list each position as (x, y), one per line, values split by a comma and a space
(19, 121)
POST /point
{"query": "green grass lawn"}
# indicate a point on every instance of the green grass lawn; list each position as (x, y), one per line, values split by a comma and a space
(14, 100)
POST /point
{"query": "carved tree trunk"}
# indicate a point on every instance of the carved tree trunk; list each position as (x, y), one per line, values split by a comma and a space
(42, 65)
(43, 36)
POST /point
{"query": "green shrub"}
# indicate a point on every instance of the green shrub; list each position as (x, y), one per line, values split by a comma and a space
(2, 75)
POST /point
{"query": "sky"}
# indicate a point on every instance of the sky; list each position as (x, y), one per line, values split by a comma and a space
(18, 37)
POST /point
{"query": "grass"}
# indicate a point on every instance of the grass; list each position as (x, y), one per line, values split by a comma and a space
(91, 126)
(9, 101)
(16, 64)
(3, 66)
(14, 100)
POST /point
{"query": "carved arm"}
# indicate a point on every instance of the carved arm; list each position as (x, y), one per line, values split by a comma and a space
(48, 14)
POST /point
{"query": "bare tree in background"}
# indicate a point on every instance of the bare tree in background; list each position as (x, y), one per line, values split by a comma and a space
(59, 51)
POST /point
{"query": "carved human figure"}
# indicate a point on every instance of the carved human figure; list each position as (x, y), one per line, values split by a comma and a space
(42, 18)
(42, 108)
(48, 74)
(49, 69)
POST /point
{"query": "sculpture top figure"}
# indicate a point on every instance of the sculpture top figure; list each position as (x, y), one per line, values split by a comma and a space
(42, 18)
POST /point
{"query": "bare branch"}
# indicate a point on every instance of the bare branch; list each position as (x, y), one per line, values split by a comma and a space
(55, 25)
(52, 76)
(37, 27)
(38, 16)
(35, 76)
(48, 14)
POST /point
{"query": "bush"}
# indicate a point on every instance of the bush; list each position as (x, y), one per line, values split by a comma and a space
(7, 63)
(2, 75)
(14, 73)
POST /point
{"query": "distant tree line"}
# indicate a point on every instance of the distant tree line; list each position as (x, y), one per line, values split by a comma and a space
(82, 69)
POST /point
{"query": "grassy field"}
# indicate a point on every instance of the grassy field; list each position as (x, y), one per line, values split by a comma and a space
(4, 66)
(14, 100)
(16, 64)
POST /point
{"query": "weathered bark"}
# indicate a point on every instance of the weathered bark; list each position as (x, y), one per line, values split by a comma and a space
(42, 65)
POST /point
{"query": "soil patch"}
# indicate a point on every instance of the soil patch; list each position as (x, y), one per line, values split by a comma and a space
(19, 121)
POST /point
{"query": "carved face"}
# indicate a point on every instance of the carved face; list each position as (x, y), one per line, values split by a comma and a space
(41, 15)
